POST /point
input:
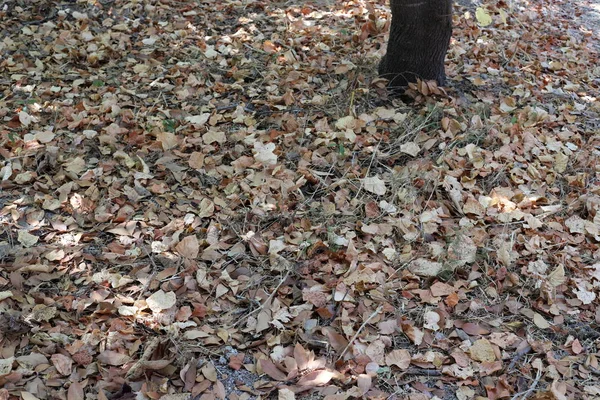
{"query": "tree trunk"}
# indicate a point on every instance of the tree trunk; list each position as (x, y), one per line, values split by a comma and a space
(419, 38)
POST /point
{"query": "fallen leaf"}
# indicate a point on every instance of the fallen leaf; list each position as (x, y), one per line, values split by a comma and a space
(482, 350)
(374, 185)
(285, 394)
(364, 383)
(62, 363)
(270, 369)
(315, 378)
(410, 148)
(26, 238)
(431, 320)
(423, 267)
(540, 321)
(114, 358)
(400, 358)
(264, 153)
(483, 17)
(188, 247)
(161, 300)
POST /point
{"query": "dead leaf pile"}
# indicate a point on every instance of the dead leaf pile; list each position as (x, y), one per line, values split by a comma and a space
(217, 199)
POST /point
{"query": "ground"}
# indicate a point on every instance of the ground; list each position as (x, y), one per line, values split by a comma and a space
(220, 199)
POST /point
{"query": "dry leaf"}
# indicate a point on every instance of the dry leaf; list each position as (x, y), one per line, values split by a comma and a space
(473, 329)
(482, 350)
(62, 363)
(302, 357)
(423, 267)
(400, 358)
(160, 301)
(483, 17)
(270, 369)
(431, 320)
(115, 358)
(75, 391)
(364, 383)
(557, 277)
(462, 250)
(315, 378)
(414, 334)
(264, 153)
(410, 148)
(285, 394)
(26, 238)
(374, 185)
(168, 140)
(540, 321)
(188, 247)
(209, 372)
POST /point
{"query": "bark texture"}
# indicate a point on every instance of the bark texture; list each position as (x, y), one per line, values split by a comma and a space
(419, 37)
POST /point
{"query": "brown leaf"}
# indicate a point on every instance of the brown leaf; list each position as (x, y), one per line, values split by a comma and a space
(75, 392)
(399, 358)
(209, 372)
(271, 369)
(188, 247)
(482, 350)
(364, 383)
(576, 347)
(452, 300)
(196, 160)
(316, 378)
(188, 374)
(219, 390)
(414, 334)
(62, 363)
(236, 361)
(263, 319)
(111, 357)
(472, 329)
(424, 267)
(301, 356)
(315, 296)
(540, 321)
(337, 341)
(375, 351)
(387, 327)
(155, 364)
(440, 289)
(161, 300)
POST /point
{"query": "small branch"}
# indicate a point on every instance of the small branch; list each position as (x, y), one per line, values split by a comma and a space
(422, 372)
(359, 330)
(531, 388)
(152, 274)
(519, 354)
(268, 301)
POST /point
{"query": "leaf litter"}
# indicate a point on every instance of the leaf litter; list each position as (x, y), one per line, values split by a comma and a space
(219, 200)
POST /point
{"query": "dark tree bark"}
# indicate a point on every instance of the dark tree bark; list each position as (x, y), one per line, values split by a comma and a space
(419, 37)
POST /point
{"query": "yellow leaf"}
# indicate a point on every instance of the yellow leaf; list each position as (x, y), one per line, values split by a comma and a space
(483, 17)
(482, 350)
(540, 321)
(557, 277)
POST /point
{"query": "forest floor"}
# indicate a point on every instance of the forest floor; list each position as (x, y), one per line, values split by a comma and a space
(218, 200)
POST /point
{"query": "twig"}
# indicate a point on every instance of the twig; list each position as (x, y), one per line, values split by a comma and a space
(268, 301)
(531, 388)
(152, 275)
(139, 367)
(360, 329)
(422, 372)
(375, 150)
(519, 354)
